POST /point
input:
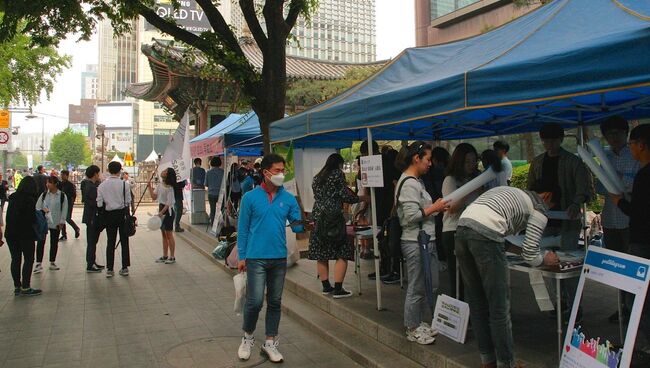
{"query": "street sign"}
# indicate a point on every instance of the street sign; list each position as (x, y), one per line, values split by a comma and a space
(4, 119)
(372, 174)
(4, 139)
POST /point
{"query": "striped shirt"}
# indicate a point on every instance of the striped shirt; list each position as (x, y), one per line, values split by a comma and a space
(626, 167)
(504, 211)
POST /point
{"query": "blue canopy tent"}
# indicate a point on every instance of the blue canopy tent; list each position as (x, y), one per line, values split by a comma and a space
(239, 133)
(570, 61)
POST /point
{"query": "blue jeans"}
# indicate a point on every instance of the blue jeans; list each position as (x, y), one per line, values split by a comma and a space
(486, 277)
(262, 273)
(416, 306)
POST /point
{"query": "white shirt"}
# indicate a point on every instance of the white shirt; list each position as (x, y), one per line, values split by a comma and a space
(165, 195)
(114, 192)
(52, 202)
(507, 168)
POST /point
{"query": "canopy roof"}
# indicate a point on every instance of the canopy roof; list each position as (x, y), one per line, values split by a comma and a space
(153, 156)
(568, 61)
(240, 133)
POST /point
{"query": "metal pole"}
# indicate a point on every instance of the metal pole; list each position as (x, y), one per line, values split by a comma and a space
(375, 243)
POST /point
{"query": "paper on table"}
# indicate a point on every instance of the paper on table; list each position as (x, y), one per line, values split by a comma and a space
(460, 193)
(597, 170)
(541, 292)
(607, 166)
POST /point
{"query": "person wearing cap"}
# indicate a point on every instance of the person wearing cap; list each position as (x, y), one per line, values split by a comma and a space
(568, 179)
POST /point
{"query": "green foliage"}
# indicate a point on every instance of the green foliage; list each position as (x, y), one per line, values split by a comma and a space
(27, 70)
(312, 92)
(17, 160)
(69, 148)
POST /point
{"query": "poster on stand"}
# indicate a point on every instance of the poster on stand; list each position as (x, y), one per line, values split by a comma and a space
(451, 318)
(591, 344)
(372, 174)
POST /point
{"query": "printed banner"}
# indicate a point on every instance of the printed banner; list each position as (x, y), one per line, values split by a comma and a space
(588, 345)
(177, 153)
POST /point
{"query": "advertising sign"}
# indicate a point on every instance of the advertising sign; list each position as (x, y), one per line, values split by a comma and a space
(189, 15)
(451, 317)
(372, 174)
(4, 119)
(587, 345)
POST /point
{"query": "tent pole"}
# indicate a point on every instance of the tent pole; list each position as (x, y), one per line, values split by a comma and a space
(581, 142)
(375, 243)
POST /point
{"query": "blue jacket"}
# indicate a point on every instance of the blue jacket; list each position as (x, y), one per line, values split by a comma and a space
(261, 228)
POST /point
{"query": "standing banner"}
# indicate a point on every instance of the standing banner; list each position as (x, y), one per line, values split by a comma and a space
(451, 318)
(177, 154)
(588, 345)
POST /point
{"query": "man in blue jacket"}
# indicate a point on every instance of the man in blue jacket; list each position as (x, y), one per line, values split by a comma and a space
(262, 247)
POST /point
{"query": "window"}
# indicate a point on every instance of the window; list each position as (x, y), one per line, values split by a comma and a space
(444, 7)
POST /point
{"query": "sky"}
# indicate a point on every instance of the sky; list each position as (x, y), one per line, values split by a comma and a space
(395, 32)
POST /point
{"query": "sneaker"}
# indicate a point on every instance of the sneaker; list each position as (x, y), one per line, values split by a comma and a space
(30, 292)
(244, 351)
(124, 272)
(93, 269)
(63, 237)
(109, 274)
(338, 294)
(17, 291)
(270, 349)
(162, 259)
(170, 260)
(419, 336)
(38, 268)
(424, 327)
(392, 279)
(54, 267)
(180, 230)
(99, 266)
(327, 290)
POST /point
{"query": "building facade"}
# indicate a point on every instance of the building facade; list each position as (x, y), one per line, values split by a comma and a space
(340, 30)
(118, 61)
(442, 21)
(89, 82)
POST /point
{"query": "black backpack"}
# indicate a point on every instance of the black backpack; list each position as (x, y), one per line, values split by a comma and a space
(393, 227)
(62, 198)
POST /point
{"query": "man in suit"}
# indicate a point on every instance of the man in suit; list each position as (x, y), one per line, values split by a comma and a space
(90, 217)
(70, 190)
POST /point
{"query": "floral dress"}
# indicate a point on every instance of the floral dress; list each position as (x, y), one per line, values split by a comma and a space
(330, 195)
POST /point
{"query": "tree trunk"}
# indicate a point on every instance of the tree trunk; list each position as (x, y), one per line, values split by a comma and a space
(530, 146)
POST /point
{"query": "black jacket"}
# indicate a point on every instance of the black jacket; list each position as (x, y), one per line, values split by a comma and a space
(21, 216)
(89, 197)
(70, 191)
(41, 180)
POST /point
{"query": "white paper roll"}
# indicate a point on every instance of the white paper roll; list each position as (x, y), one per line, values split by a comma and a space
(606, 164)
(597, 170)
(479, 181)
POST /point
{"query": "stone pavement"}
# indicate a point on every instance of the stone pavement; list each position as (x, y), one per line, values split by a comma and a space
(160, 316)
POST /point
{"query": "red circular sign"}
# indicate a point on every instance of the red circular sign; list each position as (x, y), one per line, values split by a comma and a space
(4, 137)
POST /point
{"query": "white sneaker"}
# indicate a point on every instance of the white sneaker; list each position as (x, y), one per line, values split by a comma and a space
(419, 336)
(424, 327)
(38, 268)
(244, 351)
(53, 266)
(270, 349)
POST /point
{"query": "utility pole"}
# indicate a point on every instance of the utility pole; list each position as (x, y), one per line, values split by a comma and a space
(100, 134)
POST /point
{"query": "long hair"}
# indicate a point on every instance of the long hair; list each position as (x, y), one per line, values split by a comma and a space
(171, 177)
(405, 157)
(27, 186)
(456, 167)
(334, 162)
(440, 155)
(489, 158)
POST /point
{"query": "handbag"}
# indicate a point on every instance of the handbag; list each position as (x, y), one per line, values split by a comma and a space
(130, 221)
(330, 226)
(393, 227)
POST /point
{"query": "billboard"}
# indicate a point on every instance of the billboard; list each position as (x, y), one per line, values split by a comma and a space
(189, 16)
(116, 115)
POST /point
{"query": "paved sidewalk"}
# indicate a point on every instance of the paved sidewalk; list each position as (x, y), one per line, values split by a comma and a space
(160, 316)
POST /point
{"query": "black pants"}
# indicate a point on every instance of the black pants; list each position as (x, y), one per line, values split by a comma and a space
(20, 248)
(178, 213)
(92, 237)
(70, 221)
(54, 246)
(235, 197)
(115, 223)
(213, 199)
(449, 243)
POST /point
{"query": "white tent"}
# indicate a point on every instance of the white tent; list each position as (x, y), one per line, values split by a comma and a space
(117, 158)
(153, 156)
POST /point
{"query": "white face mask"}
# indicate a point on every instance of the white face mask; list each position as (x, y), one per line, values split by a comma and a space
(277, 179)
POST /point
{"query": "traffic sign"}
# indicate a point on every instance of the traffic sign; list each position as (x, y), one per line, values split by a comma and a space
(4, 119)
(5, 136)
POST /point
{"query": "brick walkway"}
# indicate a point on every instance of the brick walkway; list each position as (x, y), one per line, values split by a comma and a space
(160, 316)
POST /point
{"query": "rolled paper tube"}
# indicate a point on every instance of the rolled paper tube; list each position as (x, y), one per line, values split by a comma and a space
(598, 171)
(479, 181)
(606, 164)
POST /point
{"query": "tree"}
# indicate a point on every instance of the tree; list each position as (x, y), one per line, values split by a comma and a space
(17, 160)
(69, 148)
(27, 69)
(49, 21)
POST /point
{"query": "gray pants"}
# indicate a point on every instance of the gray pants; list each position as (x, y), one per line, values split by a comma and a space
(416, 307)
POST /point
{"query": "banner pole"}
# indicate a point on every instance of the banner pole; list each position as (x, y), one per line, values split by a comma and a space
(375, 242)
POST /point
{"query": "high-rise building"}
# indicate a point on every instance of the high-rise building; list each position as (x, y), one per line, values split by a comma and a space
(340, 30)
(118, 61)
(441, 21)
(89, 82)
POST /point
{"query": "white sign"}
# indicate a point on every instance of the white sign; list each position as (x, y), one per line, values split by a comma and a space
(5, 136)
(372, 173)
(451, 317)
(587, 348)
(30, 161)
